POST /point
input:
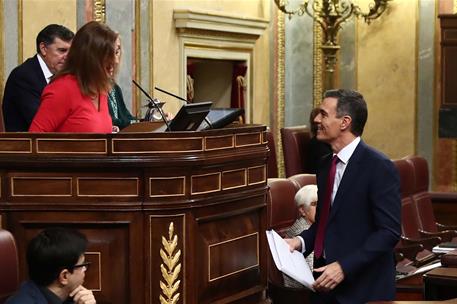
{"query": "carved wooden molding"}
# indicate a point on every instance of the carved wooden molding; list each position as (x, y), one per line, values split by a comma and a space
(186, 19)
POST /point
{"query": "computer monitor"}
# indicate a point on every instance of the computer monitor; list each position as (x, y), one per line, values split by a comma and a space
(190, 116)
(220, 117)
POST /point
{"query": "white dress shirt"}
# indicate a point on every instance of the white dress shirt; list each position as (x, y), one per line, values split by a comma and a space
(46, 72)
(344, 155)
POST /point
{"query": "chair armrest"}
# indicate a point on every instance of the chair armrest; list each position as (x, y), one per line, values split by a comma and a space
(443, 196)
(407, 251)
(445, 235)
(428, 243)
(442, 227)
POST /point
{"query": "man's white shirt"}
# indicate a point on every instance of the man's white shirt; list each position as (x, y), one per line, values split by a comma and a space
(46, 72)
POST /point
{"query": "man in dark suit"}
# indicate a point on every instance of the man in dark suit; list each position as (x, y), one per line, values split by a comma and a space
(57, 268)
(26, 82)
(355, 232)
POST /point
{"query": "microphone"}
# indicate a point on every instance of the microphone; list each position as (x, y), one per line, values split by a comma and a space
(185, 100)
(153, 103)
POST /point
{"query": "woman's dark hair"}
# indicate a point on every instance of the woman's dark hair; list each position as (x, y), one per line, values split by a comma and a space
(90, 58)
(53, 250)
(350, 103)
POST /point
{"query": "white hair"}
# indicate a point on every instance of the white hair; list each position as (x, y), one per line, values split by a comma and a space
(306, 195)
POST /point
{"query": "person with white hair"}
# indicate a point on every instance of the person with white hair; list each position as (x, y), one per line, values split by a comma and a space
(306, 201)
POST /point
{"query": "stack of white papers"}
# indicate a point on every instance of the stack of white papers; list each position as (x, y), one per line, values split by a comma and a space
(291, 263)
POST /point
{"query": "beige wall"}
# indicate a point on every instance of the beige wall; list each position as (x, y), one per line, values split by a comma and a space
(36, 14)
(386, 73)
(166, 73)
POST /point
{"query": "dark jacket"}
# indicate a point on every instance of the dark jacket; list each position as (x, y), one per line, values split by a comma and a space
(120, 115)
(21, 98)
(363, 226)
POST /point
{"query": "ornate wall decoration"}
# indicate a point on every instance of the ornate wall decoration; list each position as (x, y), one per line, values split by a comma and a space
(99, 12)
(280, 76)
(170, 268)
(317, 64)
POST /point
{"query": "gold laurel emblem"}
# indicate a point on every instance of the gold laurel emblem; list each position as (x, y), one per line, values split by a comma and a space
(170, 268)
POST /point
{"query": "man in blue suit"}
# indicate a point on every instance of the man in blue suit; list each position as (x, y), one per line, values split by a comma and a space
(57, 268)
(25, 83)
(358, 232)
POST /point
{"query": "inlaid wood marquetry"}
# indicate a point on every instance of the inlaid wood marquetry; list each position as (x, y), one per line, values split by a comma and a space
(156, 145)
(41, 186)
(249, 244)
(247, 139)
(205, 183)
(219, 142)
(15, 145)
(71, 146)
(107, 186)
(95, 259)
(257, 175)
(234, 179)
(167, 186)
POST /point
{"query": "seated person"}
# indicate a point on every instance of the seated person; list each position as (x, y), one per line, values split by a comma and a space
(306, 200)
(57, 268)
(76, 99)
(120, 115)
(26, 82)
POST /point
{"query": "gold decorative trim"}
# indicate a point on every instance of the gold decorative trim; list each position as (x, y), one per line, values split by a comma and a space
(99, 11)
(220, 148)
(318, 59)
(209, 191)
(280, 92)
(168, 195)
(259, 142)
(74, 140)
(183, 216)
(29, 140)
(238, 186)
(107, 178)
(154, 139)
(99, 254)
(264, 179)
(171, 272)
(20, 34)
(228, 241)
(40, 195)
(454, 6)
(150, 45)
(137, 48)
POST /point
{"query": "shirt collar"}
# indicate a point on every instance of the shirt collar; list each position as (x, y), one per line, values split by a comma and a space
(345, 154)
(51, 297)
(46, 72)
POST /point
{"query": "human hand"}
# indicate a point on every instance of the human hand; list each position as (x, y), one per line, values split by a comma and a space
(115, 129)
(294, 244)
(332, 275)
(82, 295)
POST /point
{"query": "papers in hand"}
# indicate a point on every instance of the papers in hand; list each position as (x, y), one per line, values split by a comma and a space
(291, 263)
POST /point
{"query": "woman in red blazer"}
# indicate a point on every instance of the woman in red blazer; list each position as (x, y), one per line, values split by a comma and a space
(76, 99)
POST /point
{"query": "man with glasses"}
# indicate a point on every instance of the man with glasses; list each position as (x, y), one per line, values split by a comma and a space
(25, 83)
(57, 268)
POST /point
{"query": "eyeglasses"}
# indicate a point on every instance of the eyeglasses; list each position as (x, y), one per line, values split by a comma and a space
(84, 264)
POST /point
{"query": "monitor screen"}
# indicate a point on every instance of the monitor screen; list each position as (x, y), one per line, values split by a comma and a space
(190, 116)
(220, 117)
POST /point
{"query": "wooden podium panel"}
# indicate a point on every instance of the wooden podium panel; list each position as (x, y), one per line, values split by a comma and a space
(176, 215)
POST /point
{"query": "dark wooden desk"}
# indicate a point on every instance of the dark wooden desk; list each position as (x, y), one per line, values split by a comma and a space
(143, 199)
(440, 284)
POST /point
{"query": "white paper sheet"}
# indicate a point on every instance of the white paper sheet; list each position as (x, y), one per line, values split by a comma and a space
(291, 263)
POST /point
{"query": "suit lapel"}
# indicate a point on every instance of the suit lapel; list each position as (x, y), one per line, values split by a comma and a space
(39, 72)
(349, 176)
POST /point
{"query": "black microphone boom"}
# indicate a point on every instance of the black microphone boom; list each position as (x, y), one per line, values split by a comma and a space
(154, 102)
(187, 101)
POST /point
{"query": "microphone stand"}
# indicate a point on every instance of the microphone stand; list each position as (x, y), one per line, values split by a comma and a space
(185, 100)
(153, 101)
